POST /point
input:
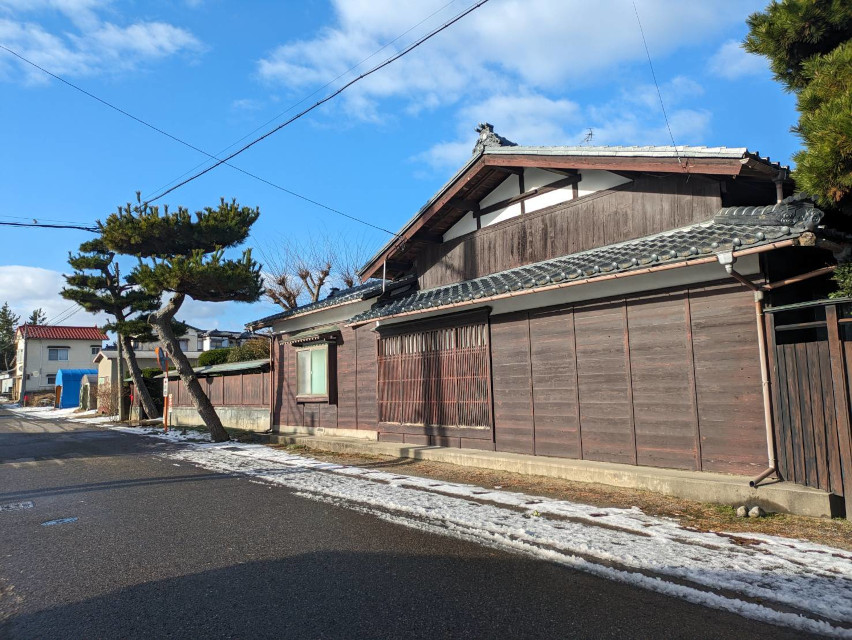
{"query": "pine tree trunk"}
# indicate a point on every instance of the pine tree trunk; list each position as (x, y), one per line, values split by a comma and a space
(161, 320)
(138, 381)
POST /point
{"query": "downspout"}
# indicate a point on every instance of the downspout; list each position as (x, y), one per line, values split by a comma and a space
(727, 260)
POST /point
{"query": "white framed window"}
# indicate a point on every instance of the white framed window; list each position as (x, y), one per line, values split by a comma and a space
(95, 349)
(184, 344)
(312, 372)
(58, 353)
(51, 379)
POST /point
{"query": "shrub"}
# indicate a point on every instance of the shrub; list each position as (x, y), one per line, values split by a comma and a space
(254, 349)
(214, 356)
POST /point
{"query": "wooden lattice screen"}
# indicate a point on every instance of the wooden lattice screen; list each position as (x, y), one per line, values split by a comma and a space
(435, 377)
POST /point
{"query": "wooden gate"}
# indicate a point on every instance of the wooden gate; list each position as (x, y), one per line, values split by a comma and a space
(809, 355)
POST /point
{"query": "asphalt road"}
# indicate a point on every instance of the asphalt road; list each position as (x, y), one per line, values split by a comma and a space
(161, 550)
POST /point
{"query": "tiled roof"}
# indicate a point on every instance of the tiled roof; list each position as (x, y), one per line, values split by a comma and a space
(52, 332)
(357, 293)
(224, 369)
(732, 229)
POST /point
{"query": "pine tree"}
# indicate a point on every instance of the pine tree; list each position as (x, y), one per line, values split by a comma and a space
(809, 46)
(8, 325)
(37, 317)
(97, 287)
(183, 255)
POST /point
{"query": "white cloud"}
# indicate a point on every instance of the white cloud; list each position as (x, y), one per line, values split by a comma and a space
(634, 118)
(90, 46)
(30, 288)
(539, 44)
(733, 62)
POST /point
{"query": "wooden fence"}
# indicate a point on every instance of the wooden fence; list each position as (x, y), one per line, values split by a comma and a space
(809, 356)
(239, 390)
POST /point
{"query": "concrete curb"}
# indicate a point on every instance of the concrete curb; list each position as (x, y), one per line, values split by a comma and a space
(717, 488)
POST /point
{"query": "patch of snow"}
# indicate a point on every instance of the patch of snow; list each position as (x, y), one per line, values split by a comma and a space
(782, 581)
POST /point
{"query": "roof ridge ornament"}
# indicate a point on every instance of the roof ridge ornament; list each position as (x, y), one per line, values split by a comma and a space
(488, 138)
(796, 211)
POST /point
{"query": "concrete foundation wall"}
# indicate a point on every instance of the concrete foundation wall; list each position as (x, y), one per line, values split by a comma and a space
(248, 418)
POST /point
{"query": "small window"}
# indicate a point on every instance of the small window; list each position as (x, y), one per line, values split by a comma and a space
(184, 345)
(95, 349)
(312, 372)
(59, 353)
(51, 379)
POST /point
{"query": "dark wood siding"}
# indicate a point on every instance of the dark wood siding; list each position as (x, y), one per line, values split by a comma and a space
(727, 378)
(606, 414)
(554, 383)
(366, 378)
(647, 205)
(347, 417)
(513, 407)
(663, 393)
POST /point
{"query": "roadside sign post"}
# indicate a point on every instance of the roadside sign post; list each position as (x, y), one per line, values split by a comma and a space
(163, 361)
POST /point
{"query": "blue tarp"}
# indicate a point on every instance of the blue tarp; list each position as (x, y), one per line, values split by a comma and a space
(69, 380)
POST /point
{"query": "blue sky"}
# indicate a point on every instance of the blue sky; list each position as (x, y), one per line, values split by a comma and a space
(210, 71)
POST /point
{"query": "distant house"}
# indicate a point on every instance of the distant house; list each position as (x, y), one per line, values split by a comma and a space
(42, 350)
(219, 339)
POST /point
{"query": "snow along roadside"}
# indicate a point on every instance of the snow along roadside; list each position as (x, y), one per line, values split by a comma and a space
(786, 582)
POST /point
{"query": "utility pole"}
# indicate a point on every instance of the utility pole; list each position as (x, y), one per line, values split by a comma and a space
(23, 389)
(122, 416)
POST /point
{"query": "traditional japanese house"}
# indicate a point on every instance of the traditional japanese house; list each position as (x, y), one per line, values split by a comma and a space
(598, 303)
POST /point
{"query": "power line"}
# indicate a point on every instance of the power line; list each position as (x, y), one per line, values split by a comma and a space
(50, 226)
(180, 141)
(310, 95)
(656, 84)
(319, 103)
(219, 162)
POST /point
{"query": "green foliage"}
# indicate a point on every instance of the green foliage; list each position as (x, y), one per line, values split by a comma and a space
(809, 47)
(185, 253)
(214, 356)
(97, 288)
(8, 324)
(151, 372)
(254, 349)
(843, 277)
(792, 32)
(37, 317)
(140, 230)
(824, 167)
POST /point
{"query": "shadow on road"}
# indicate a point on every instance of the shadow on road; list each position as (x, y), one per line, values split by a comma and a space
(384, 595)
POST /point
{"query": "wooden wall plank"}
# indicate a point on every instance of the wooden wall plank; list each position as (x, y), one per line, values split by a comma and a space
(840, 381)
(347, 417)
(510, 362)
(727, 376)
(818, 416)
(554, 378)
(663, 395)
(835, 478)
(365, 340)
(605, 410)
(648, 205)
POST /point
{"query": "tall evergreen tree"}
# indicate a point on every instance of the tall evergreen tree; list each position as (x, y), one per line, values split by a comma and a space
(183, 255)
(96, 286)
(37, 317)
(8, 325)
(809, 47)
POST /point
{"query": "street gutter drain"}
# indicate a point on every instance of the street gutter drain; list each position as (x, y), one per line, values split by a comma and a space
(16, 506)
(50, 523)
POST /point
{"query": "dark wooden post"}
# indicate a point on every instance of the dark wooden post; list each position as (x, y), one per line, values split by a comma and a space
(841, 399)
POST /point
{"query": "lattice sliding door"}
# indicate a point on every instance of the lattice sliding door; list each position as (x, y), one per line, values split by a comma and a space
(436, 377)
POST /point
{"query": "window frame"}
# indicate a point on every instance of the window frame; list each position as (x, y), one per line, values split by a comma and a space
(49, 376)
(58, 350)
(96, 349)
(316, 346)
